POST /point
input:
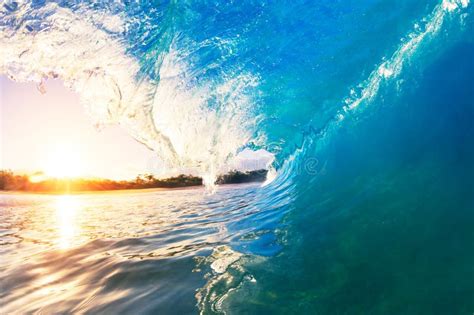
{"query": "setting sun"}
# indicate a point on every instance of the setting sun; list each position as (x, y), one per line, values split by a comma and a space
(64, 162)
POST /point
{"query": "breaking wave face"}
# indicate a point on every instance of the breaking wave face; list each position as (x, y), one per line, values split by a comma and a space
(200, 82)
(169, 91)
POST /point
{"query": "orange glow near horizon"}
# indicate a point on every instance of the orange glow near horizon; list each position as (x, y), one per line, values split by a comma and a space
(37, 178)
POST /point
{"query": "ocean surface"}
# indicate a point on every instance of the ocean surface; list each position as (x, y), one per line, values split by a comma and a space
(367, 107)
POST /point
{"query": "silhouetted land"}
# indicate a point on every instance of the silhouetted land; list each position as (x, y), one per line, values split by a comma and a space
(10, 181)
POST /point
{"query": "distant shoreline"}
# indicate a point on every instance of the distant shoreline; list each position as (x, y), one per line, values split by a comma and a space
(11, 183)
(114, 191)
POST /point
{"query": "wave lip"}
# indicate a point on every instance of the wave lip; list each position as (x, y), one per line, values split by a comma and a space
(193, 125)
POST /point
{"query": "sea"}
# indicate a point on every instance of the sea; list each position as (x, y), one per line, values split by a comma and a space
(367, 108)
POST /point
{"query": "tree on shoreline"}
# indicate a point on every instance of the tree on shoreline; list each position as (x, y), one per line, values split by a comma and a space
(9, 181)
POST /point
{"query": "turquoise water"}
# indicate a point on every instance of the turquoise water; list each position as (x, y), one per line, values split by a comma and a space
(367, 106)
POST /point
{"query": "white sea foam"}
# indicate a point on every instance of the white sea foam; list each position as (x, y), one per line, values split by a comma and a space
(223, 257)
(227, 276)
(452, 5)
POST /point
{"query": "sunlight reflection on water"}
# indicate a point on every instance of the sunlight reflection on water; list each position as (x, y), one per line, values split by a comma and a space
(67, 208)
(123, 251)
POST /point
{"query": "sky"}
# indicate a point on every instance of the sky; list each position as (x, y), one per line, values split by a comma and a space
(38, 130)
(51, 132)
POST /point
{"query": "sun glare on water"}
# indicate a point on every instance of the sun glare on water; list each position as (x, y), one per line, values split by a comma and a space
(64, 162)
(67, 208)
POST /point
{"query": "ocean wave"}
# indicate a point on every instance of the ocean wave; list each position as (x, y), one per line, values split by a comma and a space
(216, 295)
(196, 103)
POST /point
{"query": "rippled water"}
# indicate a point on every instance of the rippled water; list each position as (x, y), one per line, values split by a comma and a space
(135, 252)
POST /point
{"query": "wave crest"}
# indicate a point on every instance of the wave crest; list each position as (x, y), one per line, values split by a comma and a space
(193, 125)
